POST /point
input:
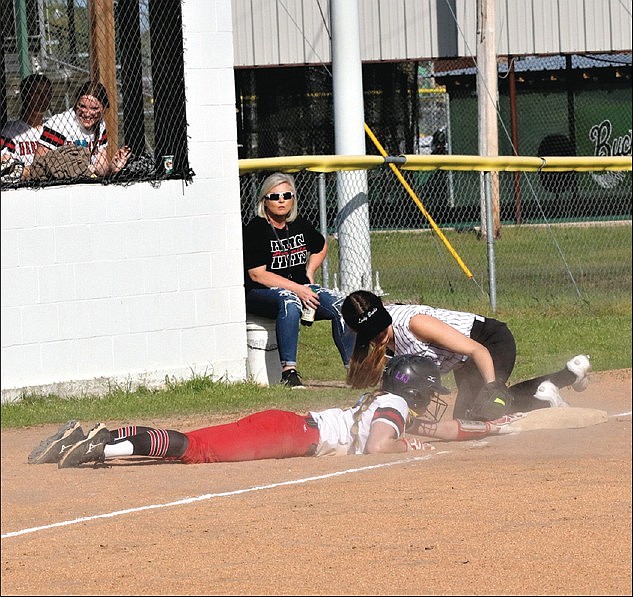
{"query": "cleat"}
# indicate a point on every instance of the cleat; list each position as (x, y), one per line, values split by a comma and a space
(51, 449)
(292, 379)
(547, 391)
(580, 366)
(90, 449)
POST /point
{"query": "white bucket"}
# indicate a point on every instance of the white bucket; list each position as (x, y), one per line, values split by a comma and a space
(263, 360)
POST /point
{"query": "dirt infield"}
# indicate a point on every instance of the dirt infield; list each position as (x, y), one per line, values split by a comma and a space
(545, 512)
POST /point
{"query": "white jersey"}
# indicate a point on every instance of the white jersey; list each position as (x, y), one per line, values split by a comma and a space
(21, 140)
(65, 129)
(405, 341)
(335, 425)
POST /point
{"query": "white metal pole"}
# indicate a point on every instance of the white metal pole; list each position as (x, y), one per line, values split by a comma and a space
(353, 222)
(323, 227)
(487, 88)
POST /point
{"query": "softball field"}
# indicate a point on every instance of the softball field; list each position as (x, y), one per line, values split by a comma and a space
(543, 512)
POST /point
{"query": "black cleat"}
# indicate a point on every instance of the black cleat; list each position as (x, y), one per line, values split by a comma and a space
(89, 449)
(52, 449)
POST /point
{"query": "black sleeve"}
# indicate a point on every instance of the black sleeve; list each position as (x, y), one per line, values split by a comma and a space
(314, 239)
(255, 244)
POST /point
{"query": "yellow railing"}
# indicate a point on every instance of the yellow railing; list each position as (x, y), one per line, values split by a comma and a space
(331, 163)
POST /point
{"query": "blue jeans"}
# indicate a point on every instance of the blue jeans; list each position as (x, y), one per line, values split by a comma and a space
(285, 308)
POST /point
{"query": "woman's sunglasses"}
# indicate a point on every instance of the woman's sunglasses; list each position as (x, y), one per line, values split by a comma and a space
(286, 196)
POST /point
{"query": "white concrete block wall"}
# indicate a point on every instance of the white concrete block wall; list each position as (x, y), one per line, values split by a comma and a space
(105, 284)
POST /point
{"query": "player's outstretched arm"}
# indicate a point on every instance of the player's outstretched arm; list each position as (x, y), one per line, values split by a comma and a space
(461, 429)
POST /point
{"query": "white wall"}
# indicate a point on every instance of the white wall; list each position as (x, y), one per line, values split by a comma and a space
(105, 284)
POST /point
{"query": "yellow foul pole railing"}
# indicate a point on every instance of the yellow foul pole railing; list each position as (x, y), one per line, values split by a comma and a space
(418, 202)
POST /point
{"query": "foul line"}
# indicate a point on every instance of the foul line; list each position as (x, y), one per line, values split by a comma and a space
(187, 501)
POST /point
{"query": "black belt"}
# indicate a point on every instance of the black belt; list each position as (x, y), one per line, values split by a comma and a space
(310, 422)
(476, 329)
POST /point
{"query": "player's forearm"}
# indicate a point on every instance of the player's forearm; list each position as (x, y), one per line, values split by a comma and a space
(386, 445)
(271, 280)
(454, 429)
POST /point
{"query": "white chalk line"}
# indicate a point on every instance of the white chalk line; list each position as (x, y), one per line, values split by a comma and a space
(203, 497)
(624, 414)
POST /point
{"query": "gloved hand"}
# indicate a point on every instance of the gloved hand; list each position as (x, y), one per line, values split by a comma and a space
(492, 402)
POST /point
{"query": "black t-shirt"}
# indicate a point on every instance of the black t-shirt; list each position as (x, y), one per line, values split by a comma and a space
(285, 254)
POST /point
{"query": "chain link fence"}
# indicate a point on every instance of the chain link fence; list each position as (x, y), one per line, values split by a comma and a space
(574, 105)
(564, 235)
(573, 242)
(132, 53)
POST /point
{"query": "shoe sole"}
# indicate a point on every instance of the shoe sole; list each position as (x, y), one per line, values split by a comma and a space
(47, 451)
(65, 461)
(554, 399)
(581, 384)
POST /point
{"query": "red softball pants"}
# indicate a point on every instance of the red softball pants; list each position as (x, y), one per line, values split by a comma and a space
(272, 434)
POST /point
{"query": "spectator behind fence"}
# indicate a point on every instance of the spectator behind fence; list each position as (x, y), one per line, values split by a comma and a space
(82, 126)
(282, 252)
(20, 137)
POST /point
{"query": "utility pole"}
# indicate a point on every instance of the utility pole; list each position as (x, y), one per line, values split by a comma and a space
(487, 86)
(103, 63)
(487, 89)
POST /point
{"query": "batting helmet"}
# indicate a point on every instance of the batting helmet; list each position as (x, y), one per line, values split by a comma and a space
(417, 380)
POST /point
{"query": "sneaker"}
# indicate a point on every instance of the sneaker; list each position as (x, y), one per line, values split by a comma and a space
(580, 366)
(89, 449)
(51, 449)
(292, 379)
(547, 391)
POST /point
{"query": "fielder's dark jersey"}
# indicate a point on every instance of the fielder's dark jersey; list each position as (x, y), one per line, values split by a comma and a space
(285, 254)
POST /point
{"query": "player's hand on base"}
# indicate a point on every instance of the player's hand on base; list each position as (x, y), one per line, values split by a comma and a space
(501, 424)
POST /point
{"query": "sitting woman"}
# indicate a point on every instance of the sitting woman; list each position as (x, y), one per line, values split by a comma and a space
(282, 252)
(83, 125)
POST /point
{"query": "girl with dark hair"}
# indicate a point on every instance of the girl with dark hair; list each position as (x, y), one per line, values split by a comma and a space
(479, 351)
(84, 126)
(20, 137)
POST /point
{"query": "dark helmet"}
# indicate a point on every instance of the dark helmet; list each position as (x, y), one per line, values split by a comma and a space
(417, 380)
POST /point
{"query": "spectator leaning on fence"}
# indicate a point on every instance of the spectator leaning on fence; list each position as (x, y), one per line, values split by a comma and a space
(480, 351)
(83, 126)
(21, 136)
(282, 252)
(407, 401)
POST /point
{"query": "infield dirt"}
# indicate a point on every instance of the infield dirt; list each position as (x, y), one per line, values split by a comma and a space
(541, 512)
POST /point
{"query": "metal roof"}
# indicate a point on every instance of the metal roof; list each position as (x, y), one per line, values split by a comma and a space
(296, 32)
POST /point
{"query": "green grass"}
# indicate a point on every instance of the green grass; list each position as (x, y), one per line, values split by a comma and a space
(549, 320)
(534, 265)
(199, 397)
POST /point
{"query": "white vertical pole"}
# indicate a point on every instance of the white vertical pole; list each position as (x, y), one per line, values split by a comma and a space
(353, 222)
(487, 89)
(323, 227)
